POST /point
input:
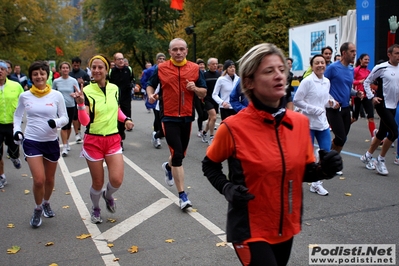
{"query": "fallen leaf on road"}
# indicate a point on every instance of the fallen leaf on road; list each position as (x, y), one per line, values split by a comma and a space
(10, 225)
(83, 236)
(24, 174)
(116, 259)
(110, 245)
(221, 244)
(313, 245)
(308, 224)
(169, 240)
(53, 264)
(342, 178)
(348, 194)
(49, 244)
(133, 249)
(13, 250)
(68, 193)
(110, 220)
(193, 210)
(26, 191)
(65, 207)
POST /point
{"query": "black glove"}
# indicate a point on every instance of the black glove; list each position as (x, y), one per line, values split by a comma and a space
(51, 123)
(237, 194)
(18, 136)
(330, 162)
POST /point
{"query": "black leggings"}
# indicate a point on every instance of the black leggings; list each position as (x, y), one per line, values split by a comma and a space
(340, 122)
(177, 135)
(6, 136)
(263, 253)
(200, 108)
(224, 113)
(387, 123)
(367, 106)
(157, 124)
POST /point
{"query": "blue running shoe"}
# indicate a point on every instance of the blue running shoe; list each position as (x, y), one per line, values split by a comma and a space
(184, 201)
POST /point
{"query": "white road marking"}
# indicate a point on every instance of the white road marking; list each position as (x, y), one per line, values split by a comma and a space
(101, 244)
(122, 228)
(101, 239)
(197, 216)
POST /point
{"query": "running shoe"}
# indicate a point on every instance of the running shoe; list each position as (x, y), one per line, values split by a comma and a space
(47, 211)
(16, 163)
(36, 219)
(203, 138)
(156, 142)
(153, 139)
(380, 167)
(369, 162)
(168, 175)
(64, 153)
(68, 148)
(184, 201)
(339, 173)
(199, 134)
(210, 140)
(3, 181)
(317, 187)
(159, 145)
(95, 216)
(111, 205)
(78, 138)
(396, 161)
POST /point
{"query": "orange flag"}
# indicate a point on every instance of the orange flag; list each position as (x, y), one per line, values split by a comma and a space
(177, 4)
(59, 51)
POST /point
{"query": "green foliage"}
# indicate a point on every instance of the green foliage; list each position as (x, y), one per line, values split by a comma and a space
(138, 29)
(227, 29)
(31, 30)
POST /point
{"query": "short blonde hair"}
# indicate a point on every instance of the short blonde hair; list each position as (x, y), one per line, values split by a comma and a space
(65, 63)
(249, 63)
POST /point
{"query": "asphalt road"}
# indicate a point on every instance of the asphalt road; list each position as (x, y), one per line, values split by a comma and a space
(148, 214)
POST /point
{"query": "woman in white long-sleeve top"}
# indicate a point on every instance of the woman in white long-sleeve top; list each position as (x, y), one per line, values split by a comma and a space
(223, 87)
(313, 97)
(45, 112)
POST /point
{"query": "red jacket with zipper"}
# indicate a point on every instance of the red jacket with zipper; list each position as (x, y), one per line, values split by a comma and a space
(270, 160)
(177, 101)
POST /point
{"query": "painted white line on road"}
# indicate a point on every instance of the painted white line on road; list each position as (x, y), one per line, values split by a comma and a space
(197, 216)
(122, 228)
(101, 244)
(83, 171)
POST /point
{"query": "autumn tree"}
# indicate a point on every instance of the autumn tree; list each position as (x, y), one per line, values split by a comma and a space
(227, 29)
(32, 29)
(138, 29)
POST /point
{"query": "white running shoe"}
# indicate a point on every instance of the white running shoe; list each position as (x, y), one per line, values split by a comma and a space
(317, 187)
(168, 175)
(64, 152)
(199, 134)
(380, 167)
(396, 161)
(78, 138)
(369, 162)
